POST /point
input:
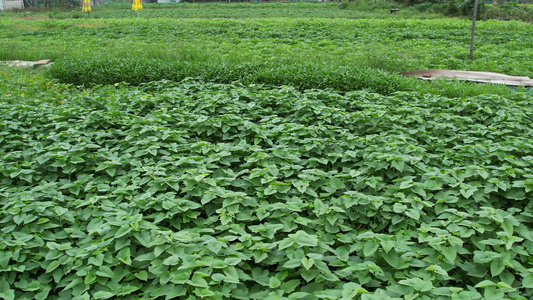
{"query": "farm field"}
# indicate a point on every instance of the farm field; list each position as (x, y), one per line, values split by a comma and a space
(225, 190)
(212, 10)
(263, 158)
(303, 52)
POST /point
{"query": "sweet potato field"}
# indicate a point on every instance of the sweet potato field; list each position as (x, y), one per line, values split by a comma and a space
(197, 190)
(263, 158)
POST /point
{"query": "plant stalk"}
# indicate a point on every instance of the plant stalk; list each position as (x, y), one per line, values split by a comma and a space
(474, 17)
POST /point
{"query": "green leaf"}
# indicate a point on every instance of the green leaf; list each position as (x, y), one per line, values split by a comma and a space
(496, 267)
(418, 284)
(105, 271)
(103, 295)
(174, 185)
(423, 286)
(274, 282)
(33, 286)
(232, 260)
(307, 262)
(124, 255)
(398, 165)
(215, 246)
(391, 258)
(351, 289)
(301, 185)
(111, 171)
(172, 260)
(202, 293)
(485, 256)
(527, 282)
(343, 253)
(413, 213)
(292, 263)
(437, 269)
(298, 295)
(285, 243)
(127, 289)
(218, 276)
(308, 241)
(142, 275)
(387, 245)
(369, 248)
(290, 286)
(5, 290)
(180, 276)
(450, 253)
(198, 281)
(122, 231)
(5, 256)
(468, 192)
(485, 283)
(232, 276)
(337, 183)
(52, 266)
(76, 159)
(492, 292)
(504, 285)
(90, 278)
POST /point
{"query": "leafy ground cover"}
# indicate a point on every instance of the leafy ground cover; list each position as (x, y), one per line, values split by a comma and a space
(276, 172)
(216, 191)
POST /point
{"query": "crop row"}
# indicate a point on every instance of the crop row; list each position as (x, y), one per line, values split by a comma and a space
(95, 71)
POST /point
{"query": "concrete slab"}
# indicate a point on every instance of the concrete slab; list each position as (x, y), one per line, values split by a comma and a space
(472, 76)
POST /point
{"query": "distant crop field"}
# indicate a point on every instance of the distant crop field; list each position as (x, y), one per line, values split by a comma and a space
(232, 48)
(212, 10)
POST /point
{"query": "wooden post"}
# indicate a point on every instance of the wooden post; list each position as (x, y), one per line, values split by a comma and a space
(474, 17)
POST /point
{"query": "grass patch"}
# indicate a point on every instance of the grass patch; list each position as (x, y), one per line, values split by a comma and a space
(96, 71)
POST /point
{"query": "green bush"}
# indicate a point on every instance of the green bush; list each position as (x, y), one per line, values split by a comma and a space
(344, 4)
(466, 8)
(509, 12)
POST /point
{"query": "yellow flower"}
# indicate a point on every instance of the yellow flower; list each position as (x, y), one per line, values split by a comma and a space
(61, 102)
(8, 95)
(116, 84)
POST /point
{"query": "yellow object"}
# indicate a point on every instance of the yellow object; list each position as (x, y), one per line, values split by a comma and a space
(137, 5)
(86, 6)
